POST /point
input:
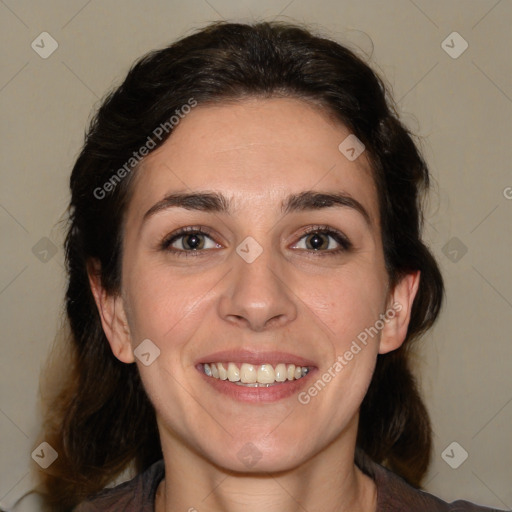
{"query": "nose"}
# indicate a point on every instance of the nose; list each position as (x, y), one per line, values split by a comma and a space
(257, 295)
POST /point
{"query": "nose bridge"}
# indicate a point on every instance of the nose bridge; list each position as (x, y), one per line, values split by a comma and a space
(256, 294)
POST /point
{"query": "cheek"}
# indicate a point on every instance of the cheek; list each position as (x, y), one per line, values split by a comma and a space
(346, 303)
(346, 306)
(164, 303)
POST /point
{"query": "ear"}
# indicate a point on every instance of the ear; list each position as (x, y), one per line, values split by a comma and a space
(113, 316)
(398, 313)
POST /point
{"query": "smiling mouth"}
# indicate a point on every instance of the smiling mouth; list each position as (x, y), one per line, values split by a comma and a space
(249, 375)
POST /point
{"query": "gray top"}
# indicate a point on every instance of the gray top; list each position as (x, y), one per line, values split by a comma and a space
(393, 494)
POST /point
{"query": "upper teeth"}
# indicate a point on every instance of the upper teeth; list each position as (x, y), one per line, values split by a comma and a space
(255, 374)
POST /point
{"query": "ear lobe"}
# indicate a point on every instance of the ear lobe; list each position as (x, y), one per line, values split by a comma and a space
(113, 317)
(400, 302)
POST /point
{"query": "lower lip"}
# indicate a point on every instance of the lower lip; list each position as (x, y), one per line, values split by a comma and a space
(258, 394)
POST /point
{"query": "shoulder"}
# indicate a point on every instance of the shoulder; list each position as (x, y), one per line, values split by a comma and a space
(395, 495)
(137, 494)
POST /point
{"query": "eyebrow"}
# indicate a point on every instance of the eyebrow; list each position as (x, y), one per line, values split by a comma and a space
(218, 203)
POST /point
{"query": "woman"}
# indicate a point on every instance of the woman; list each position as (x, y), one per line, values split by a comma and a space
(245, 228)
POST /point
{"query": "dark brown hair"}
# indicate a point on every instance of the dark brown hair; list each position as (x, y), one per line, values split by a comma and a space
(101, 420)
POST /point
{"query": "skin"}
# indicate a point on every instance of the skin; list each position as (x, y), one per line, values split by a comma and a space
(292, 298)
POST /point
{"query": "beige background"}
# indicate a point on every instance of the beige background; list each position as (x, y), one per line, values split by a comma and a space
(461, 107)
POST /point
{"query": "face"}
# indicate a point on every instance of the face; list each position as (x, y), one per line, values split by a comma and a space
(253, 242)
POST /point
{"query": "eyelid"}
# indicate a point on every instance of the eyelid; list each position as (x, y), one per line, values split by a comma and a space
(165, 244)
(339, 237)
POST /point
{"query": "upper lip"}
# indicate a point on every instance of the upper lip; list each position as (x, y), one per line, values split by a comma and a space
(255, 358)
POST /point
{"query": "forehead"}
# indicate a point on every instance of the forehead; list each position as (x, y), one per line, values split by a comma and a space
(255, 150)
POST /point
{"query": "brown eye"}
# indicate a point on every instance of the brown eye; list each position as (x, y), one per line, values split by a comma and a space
(192, 242)
(188, 240)
(323, 240)
(317, 241)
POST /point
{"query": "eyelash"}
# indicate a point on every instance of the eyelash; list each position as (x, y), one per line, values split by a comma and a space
(344, 243)
(338, 236)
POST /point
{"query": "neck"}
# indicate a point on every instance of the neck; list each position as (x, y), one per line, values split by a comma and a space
(329, 482)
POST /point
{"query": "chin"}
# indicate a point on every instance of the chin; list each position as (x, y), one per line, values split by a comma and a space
(246, 456)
